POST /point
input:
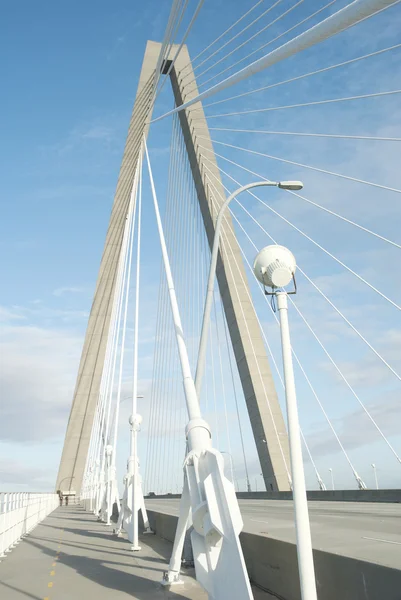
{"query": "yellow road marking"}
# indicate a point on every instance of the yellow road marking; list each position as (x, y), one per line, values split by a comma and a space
(53, 564)
(50, 584)
(52, 573)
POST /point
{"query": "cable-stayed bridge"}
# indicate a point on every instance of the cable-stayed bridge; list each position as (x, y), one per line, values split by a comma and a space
(301, 99)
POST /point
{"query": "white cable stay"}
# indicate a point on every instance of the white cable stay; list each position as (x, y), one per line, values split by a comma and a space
(273, 40)
(235, 397)
(323, 208)
(122, 292)
(303, 76)
(223, 58)
(161, 342)
(343, 19)
(338, 311)
(321, 344)
(169, 386)
(320, 481)
(125, 292)
(231, 40)
(310, 167)
(303, 104)
(358, 479)
(305, 134)
(223, 34)
(223, 388)
(184, 38)
(337, 368)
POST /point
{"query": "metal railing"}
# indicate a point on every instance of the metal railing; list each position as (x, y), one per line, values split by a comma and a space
(20, 512)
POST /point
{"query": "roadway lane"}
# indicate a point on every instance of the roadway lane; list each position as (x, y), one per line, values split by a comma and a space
(369, 531)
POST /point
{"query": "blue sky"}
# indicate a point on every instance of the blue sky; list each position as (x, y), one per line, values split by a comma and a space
(69, 78)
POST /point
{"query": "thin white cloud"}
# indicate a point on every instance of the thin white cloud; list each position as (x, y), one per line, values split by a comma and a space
(10, 315)
(61, 291)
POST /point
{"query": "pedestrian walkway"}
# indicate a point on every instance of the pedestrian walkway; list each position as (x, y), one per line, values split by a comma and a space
(71, 556)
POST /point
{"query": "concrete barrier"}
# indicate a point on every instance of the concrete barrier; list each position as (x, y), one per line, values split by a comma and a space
(272, 565)
(392, 496)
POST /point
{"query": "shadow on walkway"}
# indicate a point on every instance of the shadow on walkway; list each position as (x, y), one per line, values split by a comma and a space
(137, 575)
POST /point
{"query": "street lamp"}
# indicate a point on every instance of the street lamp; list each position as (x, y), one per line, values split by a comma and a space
(284, 185)
(231, 466)
(275, 267)
(332, 478)
(375, 473)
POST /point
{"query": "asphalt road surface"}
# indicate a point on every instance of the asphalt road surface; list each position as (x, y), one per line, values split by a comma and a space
(369, 531)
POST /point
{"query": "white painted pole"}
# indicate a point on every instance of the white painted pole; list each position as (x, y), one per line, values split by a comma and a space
(332, 478)
(375, 473)
(231, 465)
(302, 526)
(188, 382)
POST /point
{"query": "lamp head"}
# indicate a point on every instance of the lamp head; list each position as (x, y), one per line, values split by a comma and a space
(275, 266)
(135, 421)
(291, 185)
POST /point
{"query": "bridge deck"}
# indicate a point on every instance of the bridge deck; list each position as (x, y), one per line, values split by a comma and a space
(71, 555)
(362, 530)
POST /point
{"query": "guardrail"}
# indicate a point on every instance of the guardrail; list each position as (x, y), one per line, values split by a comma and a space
(20, 512)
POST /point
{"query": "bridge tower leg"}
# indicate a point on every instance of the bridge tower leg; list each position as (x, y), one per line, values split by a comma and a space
(90, 370)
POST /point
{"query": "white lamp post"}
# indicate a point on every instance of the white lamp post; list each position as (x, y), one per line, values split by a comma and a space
(285, 185)
(332, 478)
(375, 474)
(275, 267)
(231, 466)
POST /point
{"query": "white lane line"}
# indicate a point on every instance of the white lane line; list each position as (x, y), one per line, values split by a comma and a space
(257, 521)
(380, 540)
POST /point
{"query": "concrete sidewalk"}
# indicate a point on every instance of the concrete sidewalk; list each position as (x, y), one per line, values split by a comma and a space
(72, 556)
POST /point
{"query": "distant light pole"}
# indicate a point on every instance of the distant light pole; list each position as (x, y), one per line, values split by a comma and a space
(375, 473)
(285, 185)
(231, 466)
(332, 478)
(275, 267)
